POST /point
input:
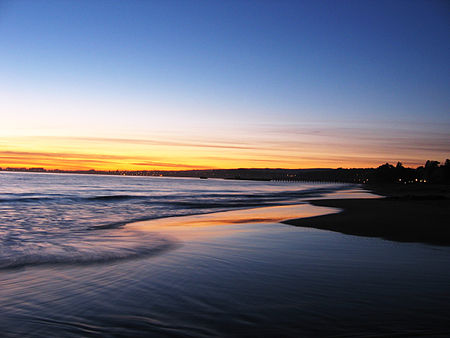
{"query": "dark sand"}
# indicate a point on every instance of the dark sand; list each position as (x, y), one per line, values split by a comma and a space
(406, 213)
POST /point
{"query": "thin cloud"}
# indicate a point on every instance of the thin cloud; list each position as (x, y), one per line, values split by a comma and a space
(171, 165)
(153, 142)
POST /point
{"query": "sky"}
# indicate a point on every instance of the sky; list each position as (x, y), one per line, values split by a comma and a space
(154, 85)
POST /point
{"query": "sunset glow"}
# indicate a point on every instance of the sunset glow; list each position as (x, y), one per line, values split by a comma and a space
(250, 93)
(234, 168)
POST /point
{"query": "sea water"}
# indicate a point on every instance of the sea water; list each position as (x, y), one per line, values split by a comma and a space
(71, 267)
(58, 218)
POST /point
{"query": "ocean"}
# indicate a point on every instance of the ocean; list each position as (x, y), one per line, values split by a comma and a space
(63, 218)
(90, 255)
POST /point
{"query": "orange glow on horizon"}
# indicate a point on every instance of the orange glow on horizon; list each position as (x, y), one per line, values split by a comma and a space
(110, 154)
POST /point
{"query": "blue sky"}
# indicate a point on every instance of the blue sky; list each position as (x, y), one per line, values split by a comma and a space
(213, 70)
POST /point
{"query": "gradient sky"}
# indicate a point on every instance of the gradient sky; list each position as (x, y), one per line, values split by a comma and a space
(223, 84)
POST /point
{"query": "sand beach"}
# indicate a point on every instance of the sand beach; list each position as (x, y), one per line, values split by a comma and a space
(405, 213)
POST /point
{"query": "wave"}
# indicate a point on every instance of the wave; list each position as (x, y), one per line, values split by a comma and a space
(82, 248)
(180, 199)
(115, 197)
(73, 198)
(25, 199)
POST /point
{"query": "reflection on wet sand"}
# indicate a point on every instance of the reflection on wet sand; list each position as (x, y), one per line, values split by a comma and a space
(214, 224)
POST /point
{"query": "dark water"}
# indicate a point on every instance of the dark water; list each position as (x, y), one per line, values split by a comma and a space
(47, 218)
(247, 280)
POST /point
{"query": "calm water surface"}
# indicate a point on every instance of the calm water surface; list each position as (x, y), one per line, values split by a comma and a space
(68, 266)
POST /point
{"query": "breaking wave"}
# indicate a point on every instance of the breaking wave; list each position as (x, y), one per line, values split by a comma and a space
(102, 246)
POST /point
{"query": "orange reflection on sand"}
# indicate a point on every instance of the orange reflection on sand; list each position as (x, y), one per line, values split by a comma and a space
(219, 223)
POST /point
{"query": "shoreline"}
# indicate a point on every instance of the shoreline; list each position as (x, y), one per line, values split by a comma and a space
(404, 214)
(186, 228)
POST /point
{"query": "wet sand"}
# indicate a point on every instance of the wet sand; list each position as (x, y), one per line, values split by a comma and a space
(220, 224)
(406, 214)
